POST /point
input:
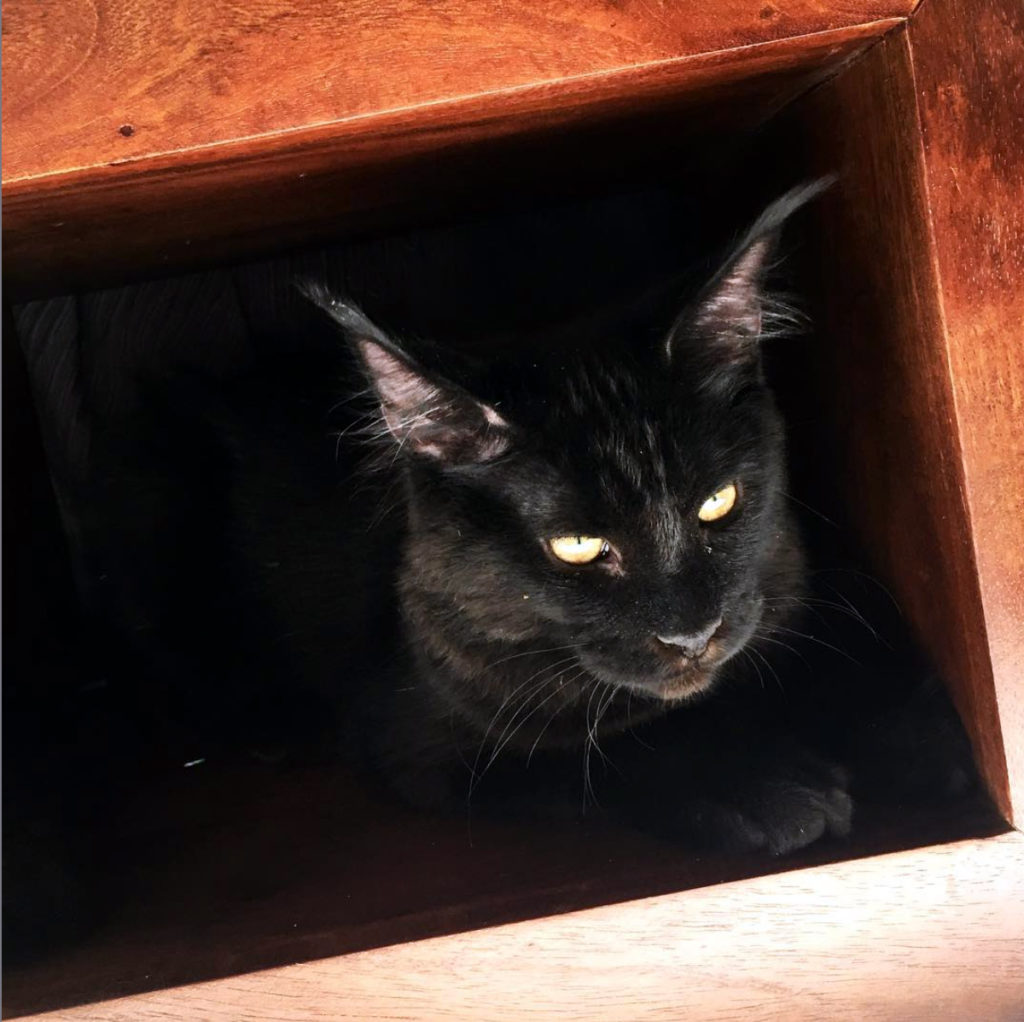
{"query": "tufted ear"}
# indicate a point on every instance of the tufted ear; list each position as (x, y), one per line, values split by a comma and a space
(424, 414)
(730, 311)
(734, 311)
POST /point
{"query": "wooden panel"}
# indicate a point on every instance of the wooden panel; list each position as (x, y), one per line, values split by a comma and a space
(95, 82)
(213, 167)
(229, 867)
(970, 89)
(893, 444)
(935, 933)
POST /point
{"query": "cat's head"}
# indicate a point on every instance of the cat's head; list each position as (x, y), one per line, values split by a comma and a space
(622, 499)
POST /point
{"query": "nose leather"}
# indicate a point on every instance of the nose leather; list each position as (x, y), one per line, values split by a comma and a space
(692, 644)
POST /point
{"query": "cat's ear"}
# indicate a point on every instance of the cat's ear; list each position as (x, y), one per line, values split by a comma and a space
(430, 416)
(730, 312)
(423, 413)
(734, 312)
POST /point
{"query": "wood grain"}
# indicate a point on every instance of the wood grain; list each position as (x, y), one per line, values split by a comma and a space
(183, 76)
(934, 933)
(970, 90)
(224, 868)
(441, 112)
(893, 444)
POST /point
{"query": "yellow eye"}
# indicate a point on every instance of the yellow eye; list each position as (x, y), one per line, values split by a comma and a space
(718, 505)
(578, 549)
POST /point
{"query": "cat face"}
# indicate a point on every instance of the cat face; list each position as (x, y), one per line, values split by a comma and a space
(620, 501)
(620, 469)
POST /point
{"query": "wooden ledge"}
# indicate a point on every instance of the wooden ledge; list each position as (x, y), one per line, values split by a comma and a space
(97, 82)
(930, 933)
(254, 133)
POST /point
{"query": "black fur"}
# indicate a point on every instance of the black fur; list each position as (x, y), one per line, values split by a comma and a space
(620, 431)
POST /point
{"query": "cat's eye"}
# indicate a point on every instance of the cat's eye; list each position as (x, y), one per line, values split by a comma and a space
(578, 549)
(718, 505)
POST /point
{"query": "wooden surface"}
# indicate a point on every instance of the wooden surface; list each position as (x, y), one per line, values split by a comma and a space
(246, 129)
(96, 82)
(970, 90)
(921, 935)
(223, 868)
(885, 366)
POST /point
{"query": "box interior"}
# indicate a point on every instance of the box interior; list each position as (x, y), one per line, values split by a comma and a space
(231, 865)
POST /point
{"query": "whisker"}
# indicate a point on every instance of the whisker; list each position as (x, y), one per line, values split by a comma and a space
(602, 709)
(560, 680)
(507, 735)
(556, 687)
(474, 775)
(530, 652)
(814, 511)
(519, 705)
(768, 664)
(812, 604)
(866, 577)
(753, 663)
(820, 642)
(764, 637)
(589, 743)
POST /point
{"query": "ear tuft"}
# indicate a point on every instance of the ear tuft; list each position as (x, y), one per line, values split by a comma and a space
(423, 413)
(349, 317)
(731, 307)
(734, 313)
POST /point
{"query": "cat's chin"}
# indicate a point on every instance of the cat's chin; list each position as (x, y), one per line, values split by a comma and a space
(678, 688)
(665, 687)
(687, 687)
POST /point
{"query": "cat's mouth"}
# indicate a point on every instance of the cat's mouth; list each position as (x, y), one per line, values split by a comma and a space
(652, 676)
(646, 669)
(689, 681)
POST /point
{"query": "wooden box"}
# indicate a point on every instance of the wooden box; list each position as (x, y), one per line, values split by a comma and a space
(143, 140)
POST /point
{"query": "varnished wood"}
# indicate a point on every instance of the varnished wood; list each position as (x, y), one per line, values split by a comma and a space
(968, 64)
(98, 82)
(921, 270)
(933, 933)
(223, 868)
(356, 118)
(893, 447)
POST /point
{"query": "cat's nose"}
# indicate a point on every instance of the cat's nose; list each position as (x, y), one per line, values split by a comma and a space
(692, 644)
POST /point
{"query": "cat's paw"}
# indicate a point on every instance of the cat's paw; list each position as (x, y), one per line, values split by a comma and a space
(777, 803)
(779, 814)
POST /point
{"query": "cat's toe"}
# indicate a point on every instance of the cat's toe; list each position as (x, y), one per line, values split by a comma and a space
(718, 826)
(796, 815)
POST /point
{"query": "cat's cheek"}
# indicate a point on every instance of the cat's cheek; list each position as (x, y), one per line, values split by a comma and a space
(742, 624)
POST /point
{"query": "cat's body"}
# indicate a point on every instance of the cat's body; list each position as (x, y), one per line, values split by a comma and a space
(467, 693)
(510, 677)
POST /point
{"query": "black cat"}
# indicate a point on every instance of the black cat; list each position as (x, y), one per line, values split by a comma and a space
(590, 541)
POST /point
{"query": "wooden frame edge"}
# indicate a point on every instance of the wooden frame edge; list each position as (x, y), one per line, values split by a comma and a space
(933, 932)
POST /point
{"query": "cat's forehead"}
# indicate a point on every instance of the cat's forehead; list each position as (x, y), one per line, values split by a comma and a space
(629, 434)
